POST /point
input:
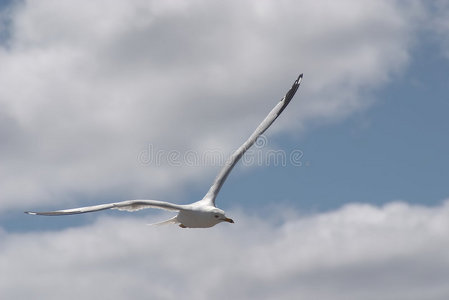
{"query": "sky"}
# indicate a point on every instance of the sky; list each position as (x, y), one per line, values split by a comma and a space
(344, 197)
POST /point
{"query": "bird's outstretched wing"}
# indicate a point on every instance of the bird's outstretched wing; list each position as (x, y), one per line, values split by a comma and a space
(235, 157)
(129, 205)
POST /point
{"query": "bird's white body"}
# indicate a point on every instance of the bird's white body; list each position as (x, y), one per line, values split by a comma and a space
(203, 213)
(201, 217)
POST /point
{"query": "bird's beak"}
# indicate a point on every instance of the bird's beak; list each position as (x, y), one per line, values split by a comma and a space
(228, 220)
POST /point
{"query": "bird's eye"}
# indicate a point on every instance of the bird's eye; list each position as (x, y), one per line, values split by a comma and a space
(216, 216)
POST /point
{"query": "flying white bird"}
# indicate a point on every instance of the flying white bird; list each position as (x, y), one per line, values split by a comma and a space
(203, 213)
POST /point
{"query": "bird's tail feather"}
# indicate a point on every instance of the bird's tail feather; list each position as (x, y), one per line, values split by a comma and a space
(173, 220)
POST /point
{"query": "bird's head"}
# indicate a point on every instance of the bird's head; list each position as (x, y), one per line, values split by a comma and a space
(219, 216)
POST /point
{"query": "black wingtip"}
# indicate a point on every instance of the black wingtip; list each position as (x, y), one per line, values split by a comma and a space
(289, 96)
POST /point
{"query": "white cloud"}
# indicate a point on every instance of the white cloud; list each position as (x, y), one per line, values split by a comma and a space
(397, 251)
(87, 86)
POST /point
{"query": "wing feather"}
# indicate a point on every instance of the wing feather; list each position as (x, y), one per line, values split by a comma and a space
(235, 157)
(129, 205)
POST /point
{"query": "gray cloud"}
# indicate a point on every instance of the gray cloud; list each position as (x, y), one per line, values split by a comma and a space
(90, 85)
(440, 24)
(397, 251)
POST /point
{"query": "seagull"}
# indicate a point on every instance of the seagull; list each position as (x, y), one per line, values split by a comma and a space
(203, 213)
